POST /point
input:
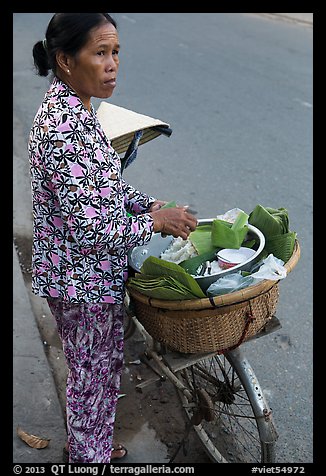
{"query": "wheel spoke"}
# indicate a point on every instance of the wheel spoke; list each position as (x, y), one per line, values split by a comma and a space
(229, 428)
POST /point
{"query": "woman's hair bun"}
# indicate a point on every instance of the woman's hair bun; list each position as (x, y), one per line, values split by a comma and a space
(41, 61)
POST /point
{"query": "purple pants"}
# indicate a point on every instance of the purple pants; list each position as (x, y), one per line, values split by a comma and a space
(92, 340)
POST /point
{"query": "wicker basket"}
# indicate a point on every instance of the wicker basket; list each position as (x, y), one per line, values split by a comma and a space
(214, 324)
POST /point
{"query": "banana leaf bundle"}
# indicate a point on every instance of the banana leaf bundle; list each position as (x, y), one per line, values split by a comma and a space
(274, 224)
(163, 287)
(226, 236)
(162, 279)
(201, 239)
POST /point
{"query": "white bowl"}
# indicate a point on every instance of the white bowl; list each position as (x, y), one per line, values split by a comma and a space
(228, 257)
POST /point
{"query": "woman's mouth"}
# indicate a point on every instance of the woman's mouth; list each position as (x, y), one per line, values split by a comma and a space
(110, 82)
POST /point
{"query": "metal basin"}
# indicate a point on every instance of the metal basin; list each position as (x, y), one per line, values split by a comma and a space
(158, 244)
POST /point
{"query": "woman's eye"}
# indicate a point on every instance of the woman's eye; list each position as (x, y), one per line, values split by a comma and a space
(115, 52)
(101, 53)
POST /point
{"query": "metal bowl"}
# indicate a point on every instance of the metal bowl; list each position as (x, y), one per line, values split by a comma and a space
(158, 244)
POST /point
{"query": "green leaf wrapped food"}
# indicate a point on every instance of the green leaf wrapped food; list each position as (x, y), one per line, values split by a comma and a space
(274, 224)
(281, 246)
(225, 235)
(201, 239)
(270, 221)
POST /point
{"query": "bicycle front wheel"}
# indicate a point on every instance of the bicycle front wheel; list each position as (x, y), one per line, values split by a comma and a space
(228, 409)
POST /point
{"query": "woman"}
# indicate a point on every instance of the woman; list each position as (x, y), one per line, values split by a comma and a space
(86, 219)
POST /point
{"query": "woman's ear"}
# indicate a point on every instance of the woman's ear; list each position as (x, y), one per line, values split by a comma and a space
(62, 61)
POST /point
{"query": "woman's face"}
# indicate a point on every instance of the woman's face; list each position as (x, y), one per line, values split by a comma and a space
(93, 71)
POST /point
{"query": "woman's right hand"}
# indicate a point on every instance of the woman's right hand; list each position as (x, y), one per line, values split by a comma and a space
(175, 221)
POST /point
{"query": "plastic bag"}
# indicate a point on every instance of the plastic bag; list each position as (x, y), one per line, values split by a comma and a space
(269, 268)
(229, 283)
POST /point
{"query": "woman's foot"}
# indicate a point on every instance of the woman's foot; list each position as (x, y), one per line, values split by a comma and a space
(118, 452)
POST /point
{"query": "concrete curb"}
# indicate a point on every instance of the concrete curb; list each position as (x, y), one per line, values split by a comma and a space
(36, 407)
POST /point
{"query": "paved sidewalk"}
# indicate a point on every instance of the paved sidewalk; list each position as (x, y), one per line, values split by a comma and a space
(36, 407)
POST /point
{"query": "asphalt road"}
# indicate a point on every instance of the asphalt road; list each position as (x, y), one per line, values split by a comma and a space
(236, 89)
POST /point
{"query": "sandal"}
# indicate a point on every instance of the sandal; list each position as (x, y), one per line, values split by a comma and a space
(119, 447)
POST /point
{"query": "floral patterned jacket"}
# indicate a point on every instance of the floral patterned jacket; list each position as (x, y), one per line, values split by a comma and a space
(81, 229)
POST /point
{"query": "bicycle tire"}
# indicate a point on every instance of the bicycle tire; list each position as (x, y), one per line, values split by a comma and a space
(229, 411)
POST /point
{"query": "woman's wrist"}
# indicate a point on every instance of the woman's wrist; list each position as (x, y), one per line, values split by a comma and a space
(157, 222)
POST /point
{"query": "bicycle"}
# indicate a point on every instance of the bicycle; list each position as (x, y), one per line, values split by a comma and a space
(219, 392)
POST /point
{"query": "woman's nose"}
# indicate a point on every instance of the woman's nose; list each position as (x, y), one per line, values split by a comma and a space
(111, 65)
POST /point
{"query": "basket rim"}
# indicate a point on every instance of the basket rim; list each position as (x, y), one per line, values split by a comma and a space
(222, 300)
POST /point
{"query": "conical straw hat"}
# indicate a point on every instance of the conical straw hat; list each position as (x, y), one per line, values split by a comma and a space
(119, 125)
